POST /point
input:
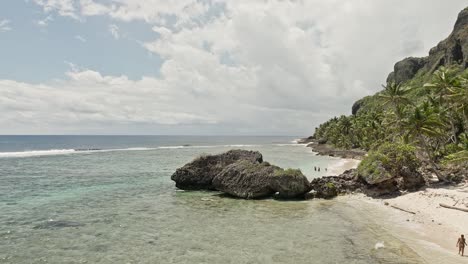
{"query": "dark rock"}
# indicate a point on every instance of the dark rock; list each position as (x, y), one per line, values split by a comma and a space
(406, 69)
(331, 186)
(305, 140)
(55, 224)
(199, 173)
(452, 50)
(322, 141)
(327, 150)
(241, 174)
(410, 180)
(245, 179)
(290, 184)
(356, 106)
(380, 181)
(378, 174)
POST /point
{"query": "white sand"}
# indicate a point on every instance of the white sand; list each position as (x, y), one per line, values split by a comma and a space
(343, 165)
(432, 231)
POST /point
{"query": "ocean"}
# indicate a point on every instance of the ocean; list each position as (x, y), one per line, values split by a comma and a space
(110, 199)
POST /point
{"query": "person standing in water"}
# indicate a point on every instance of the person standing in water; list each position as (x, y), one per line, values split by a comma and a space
(461, 243)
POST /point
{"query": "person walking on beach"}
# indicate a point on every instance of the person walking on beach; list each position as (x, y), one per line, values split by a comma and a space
(461, 243)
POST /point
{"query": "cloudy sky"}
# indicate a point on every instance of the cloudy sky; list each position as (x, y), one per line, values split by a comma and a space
(260, 67)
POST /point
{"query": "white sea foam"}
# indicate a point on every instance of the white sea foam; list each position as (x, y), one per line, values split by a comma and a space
(54, 152)
(379, 245)
(34, 153)
(290, 144)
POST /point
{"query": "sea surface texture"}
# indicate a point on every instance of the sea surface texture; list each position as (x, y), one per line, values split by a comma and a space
(109, 199)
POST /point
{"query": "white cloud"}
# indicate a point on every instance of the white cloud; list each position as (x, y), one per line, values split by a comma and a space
(80, 38)
(45, 22)
(5, 25)
(91, 8)
(114, 30)
(62, 7)
(264, 67)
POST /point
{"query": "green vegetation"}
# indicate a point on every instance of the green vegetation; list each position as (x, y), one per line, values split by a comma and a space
(288, 172)
(427, 114)
(388, 160)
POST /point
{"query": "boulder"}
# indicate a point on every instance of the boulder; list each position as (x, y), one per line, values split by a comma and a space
(331, 186)
(199, 173)
(378, 180)
(410, 180)
(290, 183)
(245, 179)
(242, 174)
(375, 173)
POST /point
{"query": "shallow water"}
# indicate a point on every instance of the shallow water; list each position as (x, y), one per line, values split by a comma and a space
(121, 207)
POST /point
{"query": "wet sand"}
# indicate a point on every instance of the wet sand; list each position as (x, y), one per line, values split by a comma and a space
(432, 230)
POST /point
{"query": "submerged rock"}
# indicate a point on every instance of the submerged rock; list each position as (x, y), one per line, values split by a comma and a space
(55, 224)
(199, 173)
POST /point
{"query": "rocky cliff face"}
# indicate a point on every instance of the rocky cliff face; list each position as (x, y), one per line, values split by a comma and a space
(453, 50)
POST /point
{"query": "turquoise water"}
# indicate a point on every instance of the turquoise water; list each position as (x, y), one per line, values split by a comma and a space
(118, 205)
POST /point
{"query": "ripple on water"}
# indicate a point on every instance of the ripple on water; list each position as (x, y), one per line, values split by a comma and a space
(121, 207)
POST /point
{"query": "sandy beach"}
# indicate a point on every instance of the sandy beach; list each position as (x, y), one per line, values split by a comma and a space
(429, 229)
(432, 230)
(343, 165)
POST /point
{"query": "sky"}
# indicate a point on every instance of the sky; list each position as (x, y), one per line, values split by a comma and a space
(202, 67)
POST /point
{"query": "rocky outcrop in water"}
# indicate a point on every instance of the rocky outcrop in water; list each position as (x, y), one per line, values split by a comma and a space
(245, 179)
(199, 174)
(289, 183)
(242, 174)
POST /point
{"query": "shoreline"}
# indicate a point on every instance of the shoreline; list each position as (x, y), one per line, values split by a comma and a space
(325, 149)
(432, 231)
(343, 165)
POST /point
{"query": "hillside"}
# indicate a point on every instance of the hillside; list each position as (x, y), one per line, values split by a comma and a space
(423, 106)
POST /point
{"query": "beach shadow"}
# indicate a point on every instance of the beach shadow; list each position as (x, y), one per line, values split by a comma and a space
(228, 196)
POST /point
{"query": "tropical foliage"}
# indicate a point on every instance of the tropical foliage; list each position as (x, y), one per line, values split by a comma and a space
(429, 112)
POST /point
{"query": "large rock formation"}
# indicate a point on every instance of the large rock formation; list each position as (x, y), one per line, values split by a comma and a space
(289, 183)
(199, 173)
(242, 174)
(406, 69)
(245, 179)
(330, 186)
(452, 50)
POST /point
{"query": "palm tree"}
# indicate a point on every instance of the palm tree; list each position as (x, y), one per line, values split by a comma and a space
(396, 95)
(458, 95)
(462, 155)
(452, 92)
(443, 82)
(422, 125)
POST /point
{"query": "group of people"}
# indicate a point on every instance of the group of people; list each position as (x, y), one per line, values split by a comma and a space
(318, 168)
